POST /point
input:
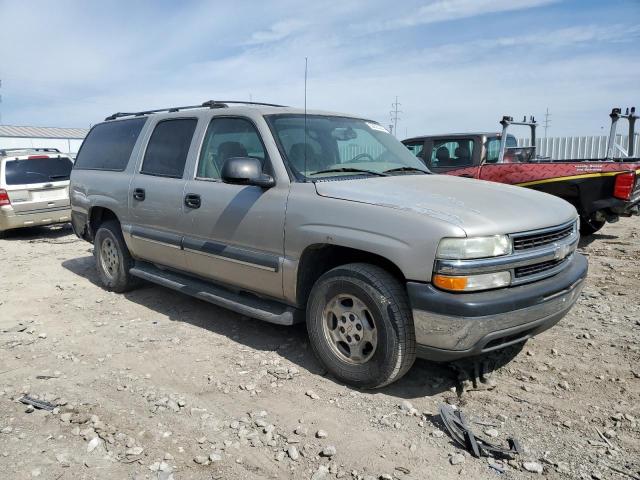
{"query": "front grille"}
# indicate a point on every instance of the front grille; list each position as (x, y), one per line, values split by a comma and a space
(535, 240)
(527, 270)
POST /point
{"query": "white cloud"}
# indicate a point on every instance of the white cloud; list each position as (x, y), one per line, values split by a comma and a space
(445, 10)
(278, 31)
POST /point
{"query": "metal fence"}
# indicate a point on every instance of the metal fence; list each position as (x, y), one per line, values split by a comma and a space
(564, 148)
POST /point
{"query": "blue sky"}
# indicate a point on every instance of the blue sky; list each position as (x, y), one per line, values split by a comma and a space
(455, 65)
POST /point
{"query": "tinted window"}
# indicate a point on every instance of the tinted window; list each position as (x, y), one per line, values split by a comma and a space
(227, 138)
(37, 170)
(168, 148)
(108, 145)
(452, 153)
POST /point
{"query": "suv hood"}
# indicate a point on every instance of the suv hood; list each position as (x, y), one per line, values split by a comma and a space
(476, 206)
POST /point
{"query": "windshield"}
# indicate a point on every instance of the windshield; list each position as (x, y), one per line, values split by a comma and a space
(37, 170)
(340, 146)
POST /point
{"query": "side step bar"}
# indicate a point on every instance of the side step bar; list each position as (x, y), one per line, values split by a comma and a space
(244, 304)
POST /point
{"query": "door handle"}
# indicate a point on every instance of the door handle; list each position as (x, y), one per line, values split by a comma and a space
(466, 175)
(192, 200)
(139, 194)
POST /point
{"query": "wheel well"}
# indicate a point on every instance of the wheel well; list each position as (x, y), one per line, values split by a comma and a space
(320, 258)
(97, 216)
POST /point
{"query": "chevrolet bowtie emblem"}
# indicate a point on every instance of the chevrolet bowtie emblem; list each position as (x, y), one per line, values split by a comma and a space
(561, 251)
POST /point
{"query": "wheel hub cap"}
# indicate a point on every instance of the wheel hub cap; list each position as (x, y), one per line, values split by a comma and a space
(109, 258)
(350, 329)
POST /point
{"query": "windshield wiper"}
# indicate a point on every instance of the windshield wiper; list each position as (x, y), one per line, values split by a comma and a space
(407, 169)
(350, 169)
(53, 177)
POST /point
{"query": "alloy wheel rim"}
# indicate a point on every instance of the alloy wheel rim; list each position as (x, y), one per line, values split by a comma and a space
(350, 329)
(109, 258)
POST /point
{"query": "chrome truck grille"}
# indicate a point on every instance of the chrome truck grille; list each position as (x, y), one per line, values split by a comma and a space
(536, 255)
(533, 240)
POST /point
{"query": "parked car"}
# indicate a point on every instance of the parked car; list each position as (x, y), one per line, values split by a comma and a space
(34, 187)
(287, 216)
(600, 189)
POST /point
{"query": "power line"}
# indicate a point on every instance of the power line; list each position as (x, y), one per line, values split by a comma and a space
(547, 121)
(395, 115)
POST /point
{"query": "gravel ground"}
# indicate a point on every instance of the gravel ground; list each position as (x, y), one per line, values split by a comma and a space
(154, 384)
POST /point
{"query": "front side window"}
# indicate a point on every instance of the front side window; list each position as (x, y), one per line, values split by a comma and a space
(227, 138)
(340, 146)
(168, 147)
(37, 170)
(452, 153)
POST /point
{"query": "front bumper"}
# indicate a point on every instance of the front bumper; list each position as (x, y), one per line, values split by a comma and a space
(9, 219)
(452, 325)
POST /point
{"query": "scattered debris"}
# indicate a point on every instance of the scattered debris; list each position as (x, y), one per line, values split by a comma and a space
(39, 404)
(461, 433)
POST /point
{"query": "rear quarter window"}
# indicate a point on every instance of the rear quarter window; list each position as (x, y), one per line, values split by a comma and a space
(37, 170)
(108, 145)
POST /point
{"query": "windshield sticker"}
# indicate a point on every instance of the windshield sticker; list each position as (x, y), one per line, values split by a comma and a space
(376, 126)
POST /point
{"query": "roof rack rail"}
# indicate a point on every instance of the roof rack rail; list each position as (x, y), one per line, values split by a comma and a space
(30, 149)
(207, 104)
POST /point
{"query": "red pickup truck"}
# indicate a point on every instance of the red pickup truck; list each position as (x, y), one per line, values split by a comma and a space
(601, 189)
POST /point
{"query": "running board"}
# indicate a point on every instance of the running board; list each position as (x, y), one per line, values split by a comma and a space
(244, 304)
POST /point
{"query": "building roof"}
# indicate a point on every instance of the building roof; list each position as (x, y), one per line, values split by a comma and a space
(14, 131)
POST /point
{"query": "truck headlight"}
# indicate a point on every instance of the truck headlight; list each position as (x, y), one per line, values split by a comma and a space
(473, 247)
(471, 283)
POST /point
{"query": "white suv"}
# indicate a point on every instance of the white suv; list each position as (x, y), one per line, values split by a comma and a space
(34, 187)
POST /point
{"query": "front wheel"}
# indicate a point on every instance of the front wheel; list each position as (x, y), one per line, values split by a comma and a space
(360, 325)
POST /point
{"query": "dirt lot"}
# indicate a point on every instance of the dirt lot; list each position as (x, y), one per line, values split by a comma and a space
(153, 384)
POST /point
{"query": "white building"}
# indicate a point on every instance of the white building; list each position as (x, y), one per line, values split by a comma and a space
(64, 139)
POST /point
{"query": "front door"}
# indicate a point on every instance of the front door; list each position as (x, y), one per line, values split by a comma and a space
(236, 232)
(156, 195)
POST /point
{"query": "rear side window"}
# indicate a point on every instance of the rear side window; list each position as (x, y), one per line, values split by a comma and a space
(452, 153)
(493, 147)
(168, 148)
(109, 145)
(37, 170)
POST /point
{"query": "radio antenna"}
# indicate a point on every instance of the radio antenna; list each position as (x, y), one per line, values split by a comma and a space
(305, 115)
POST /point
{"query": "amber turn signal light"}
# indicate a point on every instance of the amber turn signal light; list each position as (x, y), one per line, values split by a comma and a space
(457, 284)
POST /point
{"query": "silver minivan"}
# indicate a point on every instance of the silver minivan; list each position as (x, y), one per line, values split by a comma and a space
(34, 188)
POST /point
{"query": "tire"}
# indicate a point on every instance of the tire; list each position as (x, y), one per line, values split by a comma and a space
(113, 259)
(383, 346)
(590, 225)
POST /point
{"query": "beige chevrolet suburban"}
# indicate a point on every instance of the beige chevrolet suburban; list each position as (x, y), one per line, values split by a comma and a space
(288, 216)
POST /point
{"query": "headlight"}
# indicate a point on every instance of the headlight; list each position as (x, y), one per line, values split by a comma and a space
(474, 247)
(471, 283)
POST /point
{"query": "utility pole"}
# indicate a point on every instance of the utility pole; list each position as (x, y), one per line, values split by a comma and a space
(547, 121)
(395, 116)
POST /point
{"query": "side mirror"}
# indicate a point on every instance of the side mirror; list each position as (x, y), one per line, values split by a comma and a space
(246, 171)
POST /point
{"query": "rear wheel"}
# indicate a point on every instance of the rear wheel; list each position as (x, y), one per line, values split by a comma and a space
(360, 325)
(113, 259)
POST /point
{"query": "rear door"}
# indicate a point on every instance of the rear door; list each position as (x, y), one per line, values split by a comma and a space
(156, 194)
(37, 183)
